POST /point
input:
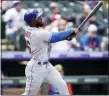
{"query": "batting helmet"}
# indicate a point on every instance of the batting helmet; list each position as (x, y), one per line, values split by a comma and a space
(32, 14)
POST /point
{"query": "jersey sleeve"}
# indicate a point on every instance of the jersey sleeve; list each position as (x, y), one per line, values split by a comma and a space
(43, 35)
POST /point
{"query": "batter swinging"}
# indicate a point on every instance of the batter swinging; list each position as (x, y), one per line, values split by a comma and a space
(38, 42)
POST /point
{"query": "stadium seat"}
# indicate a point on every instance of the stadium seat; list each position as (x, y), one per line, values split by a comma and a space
(6, 45)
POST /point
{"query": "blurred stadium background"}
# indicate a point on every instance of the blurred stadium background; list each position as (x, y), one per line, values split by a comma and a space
(85, 65)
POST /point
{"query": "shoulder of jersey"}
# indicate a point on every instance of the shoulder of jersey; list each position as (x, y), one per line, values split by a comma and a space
(11, 10)
(32, 29)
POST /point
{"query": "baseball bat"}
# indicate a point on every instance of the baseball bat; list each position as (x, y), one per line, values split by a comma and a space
(91, 13)
(85, 20)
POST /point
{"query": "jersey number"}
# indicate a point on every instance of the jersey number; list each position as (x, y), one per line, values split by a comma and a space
(28, 46)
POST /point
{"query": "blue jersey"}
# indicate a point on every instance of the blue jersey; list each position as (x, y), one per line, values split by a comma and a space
(91, 43)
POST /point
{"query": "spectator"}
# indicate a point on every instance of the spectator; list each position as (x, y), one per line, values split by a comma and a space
(93, 20)
(92, 3)
(5, 5)
(90, 41)
(14, 21)
(53, 25)
(2, 75)
(85, 11)
(104, 42)
(54, 8)
(51, 89)
(99, 24)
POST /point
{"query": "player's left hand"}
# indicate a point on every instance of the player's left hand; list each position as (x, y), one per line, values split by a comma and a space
(74, 33)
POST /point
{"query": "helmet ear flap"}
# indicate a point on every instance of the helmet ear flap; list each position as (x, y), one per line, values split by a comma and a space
(32, 22)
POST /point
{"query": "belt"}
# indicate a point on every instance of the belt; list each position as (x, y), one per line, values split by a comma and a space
(43, 63)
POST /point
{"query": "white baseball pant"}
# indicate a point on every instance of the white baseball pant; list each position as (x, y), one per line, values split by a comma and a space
(36, 74)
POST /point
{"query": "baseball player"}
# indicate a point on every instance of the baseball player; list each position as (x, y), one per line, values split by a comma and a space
(38, 42)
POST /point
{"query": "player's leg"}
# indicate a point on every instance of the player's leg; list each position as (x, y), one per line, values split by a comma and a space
(56, 80)
(34, 79)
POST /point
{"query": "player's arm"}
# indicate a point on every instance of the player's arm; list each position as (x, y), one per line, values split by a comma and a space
(53, 37)
(61, 35)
